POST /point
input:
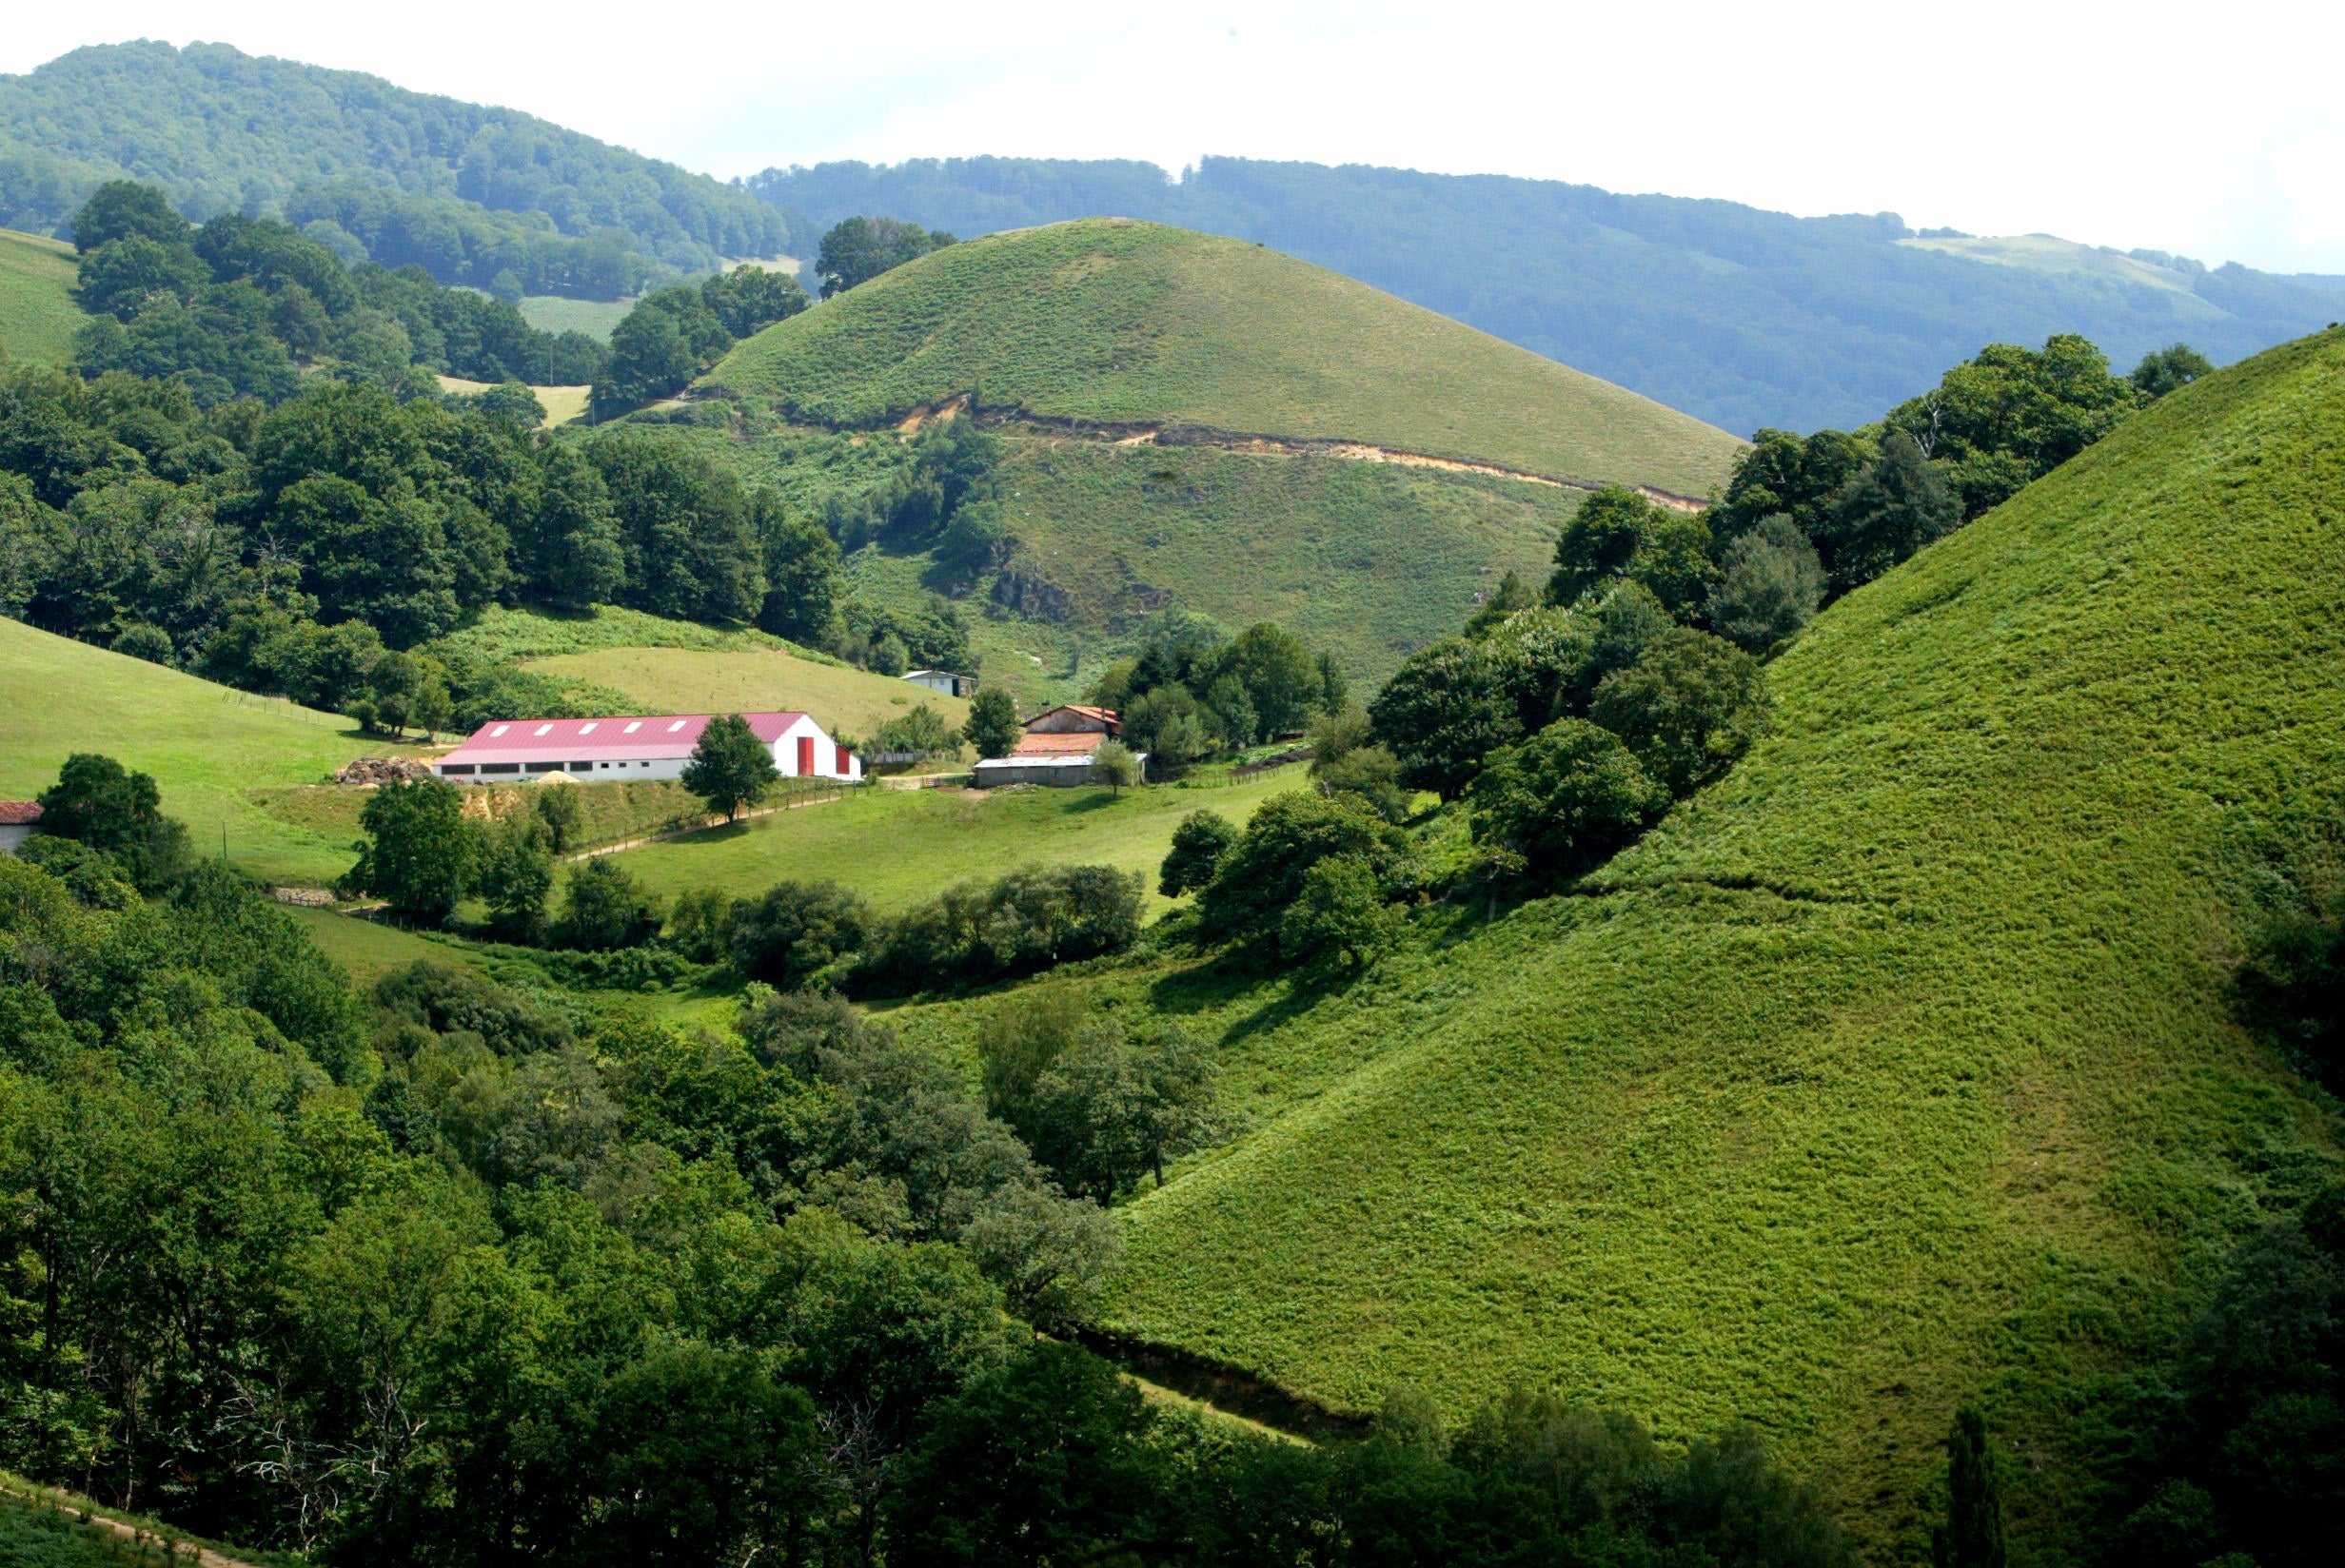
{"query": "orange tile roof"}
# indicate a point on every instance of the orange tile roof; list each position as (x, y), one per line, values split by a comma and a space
(1080, 743)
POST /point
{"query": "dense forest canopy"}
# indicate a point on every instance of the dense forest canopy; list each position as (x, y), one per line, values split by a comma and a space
(1741, 317)
(465, 190)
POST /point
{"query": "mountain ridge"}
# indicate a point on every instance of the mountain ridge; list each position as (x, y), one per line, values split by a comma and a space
(1742, 317)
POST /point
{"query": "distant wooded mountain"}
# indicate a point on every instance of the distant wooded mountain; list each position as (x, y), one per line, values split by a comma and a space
(1741, 317)
(467, 191)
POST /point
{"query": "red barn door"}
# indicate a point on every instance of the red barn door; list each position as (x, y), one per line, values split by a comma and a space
(805, 757)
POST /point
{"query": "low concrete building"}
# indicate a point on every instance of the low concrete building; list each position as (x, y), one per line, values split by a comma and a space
(605, 751)
(1059, 748)
(944, 682)
(18, 820)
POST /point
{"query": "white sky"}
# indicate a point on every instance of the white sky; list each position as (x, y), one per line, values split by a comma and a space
(2213, 130)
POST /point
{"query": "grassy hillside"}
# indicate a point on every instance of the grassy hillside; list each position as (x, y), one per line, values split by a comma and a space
(1111, 320)
(1894, 1072)
(37, 313)
(679, 680)
(205, 745)
(554, 313)
(898, 846)
(1371, 561)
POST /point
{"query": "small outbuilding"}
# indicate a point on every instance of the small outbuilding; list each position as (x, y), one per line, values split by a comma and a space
(944, 682)
(1058, 748)
(19, 820)
(629, 749)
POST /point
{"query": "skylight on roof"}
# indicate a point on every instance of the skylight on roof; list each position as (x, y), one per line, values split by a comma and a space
(678, 725)
(587, 728)
(501, 728)
(633, 725)
(544, 729)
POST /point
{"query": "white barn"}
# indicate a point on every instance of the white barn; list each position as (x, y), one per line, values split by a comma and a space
(621, 750)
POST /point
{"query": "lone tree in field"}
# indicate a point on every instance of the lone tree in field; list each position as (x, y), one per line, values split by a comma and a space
(1115, 765)
(731, 767)
(993, 726)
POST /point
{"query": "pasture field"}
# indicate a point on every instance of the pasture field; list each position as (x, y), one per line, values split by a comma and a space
(1896, 1071)
(843, 698)
(505, 635)
(555, 313)
(562, 404)
(369, 950)
(899, 847)
(205, 745)
(37, 313)
(607, 811)
(1124, 322)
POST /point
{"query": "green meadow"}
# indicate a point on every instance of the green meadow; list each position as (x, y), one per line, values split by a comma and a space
(557, 313)
(37, 313)
(209, 747)
(1895, 1071)
(1108, 319)
(898, 846)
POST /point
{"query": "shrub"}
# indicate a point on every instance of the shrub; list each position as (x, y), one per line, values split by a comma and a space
(1198, 844)
(1262, 871)
(794, 931)
(1369, 774)
(1340, 914)
(1688, 709)
(1031, 919)
(1566, 800)
(604, 909)
(1771, 583)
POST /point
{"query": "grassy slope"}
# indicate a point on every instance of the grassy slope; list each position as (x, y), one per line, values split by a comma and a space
(702, 680)
(898, 846)
(1367, 559)
(205, 744)
(37, 313)
(1111, 320)
(555, 313)
(1957, 1110)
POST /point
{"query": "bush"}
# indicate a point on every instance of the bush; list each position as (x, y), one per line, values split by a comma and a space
(1770, 586)
(1369, 774)
(1566, 800)
(604, 909)
(1031, 919)
(1689, 709)
(1198, 844)
(794, 931)
(1340, 914)
(1263, 873)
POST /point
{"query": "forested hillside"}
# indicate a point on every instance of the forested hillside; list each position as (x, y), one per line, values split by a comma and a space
(472, 193)
(1741, 317)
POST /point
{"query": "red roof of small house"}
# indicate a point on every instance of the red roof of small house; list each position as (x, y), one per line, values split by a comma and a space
(1072, 743)
(19, 813)
(641, 738)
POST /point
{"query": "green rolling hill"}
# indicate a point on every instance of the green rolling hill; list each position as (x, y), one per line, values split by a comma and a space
(1895, 1071)
(1196, 421)
(1109, 321)
(37, 313)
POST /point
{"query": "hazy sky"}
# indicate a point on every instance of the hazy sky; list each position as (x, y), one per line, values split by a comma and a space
(2215, 130)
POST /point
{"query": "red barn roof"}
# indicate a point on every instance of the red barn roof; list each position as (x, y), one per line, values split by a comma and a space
(1070, 743)
(19, 813)
(644, 739)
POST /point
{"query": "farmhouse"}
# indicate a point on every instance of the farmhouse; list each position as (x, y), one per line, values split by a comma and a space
(18, 818)
(622, 750)
(944, 681)
(1058, 748)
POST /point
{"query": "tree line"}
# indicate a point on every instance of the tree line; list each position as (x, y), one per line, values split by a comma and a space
(240, 306)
